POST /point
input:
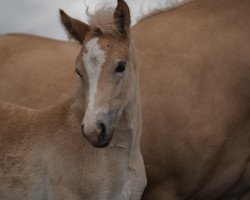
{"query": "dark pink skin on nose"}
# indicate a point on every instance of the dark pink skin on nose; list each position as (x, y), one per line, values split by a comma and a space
(92, 133)
(92, 138)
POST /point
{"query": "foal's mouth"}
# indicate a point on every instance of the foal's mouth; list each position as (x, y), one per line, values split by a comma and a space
(104, 138)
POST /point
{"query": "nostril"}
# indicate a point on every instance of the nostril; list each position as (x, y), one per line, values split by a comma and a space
(103, 131)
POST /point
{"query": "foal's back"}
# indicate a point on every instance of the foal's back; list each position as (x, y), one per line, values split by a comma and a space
(31, 146)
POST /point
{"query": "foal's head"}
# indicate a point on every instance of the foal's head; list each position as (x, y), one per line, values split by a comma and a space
(105, 66)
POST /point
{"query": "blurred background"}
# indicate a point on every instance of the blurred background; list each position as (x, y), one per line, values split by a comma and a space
(40, 17)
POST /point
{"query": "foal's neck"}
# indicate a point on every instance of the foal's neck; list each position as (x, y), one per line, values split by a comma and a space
(128, 127)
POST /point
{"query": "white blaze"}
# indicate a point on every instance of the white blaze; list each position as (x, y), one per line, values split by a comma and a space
(93, 61)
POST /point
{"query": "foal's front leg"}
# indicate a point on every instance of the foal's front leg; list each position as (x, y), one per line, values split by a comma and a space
(133, 189)
(138, 190)
(138, 179)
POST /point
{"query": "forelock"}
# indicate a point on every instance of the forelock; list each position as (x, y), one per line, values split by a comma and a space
(102, 19)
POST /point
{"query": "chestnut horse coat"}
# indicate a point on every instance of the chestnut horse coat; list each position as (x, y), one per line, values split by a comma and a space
(194, 68)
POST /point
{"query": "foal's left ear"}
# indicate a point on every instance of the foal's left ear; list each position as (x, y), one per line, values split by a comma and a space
(122, 18)
(75, 28)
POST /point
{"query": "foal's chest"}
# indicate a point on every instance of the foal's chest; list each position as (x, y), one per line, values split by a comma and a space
(116, 184)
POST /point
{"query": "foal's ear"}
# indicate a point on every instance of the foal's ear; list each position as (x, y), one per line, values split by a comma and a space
(122, 18)
(75, 28)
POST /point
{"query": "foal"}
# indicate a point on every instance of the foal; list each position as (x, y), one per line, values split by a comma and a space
(43, 154)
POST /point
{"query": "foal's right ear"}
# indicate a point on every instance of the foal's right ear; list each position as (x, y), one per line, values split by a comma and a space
(75, 28)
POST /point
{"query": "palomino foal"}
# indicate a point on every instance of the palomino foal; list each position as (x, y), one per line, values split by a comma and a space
(43, 154)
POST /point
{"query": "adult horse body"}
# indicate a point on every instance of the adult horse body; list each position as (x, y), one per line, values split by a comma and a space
(194, 76)
(195, 91)
(42, 152)
(36, 61)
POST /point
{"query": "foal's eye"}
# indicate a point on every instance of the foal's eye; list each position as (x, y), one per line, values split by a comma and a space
(120, 67)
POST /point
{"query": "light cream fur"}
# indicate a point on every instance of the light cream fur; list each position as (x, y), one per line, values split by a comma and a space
(93, 61)
(103, 18)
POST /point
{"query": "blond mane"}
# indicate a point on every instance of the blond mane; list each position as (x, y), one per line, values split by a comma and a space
(103, 18)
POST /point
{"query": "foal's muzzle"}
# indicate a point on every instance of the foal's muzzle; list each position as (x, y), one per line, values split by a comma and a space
(98, 135)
